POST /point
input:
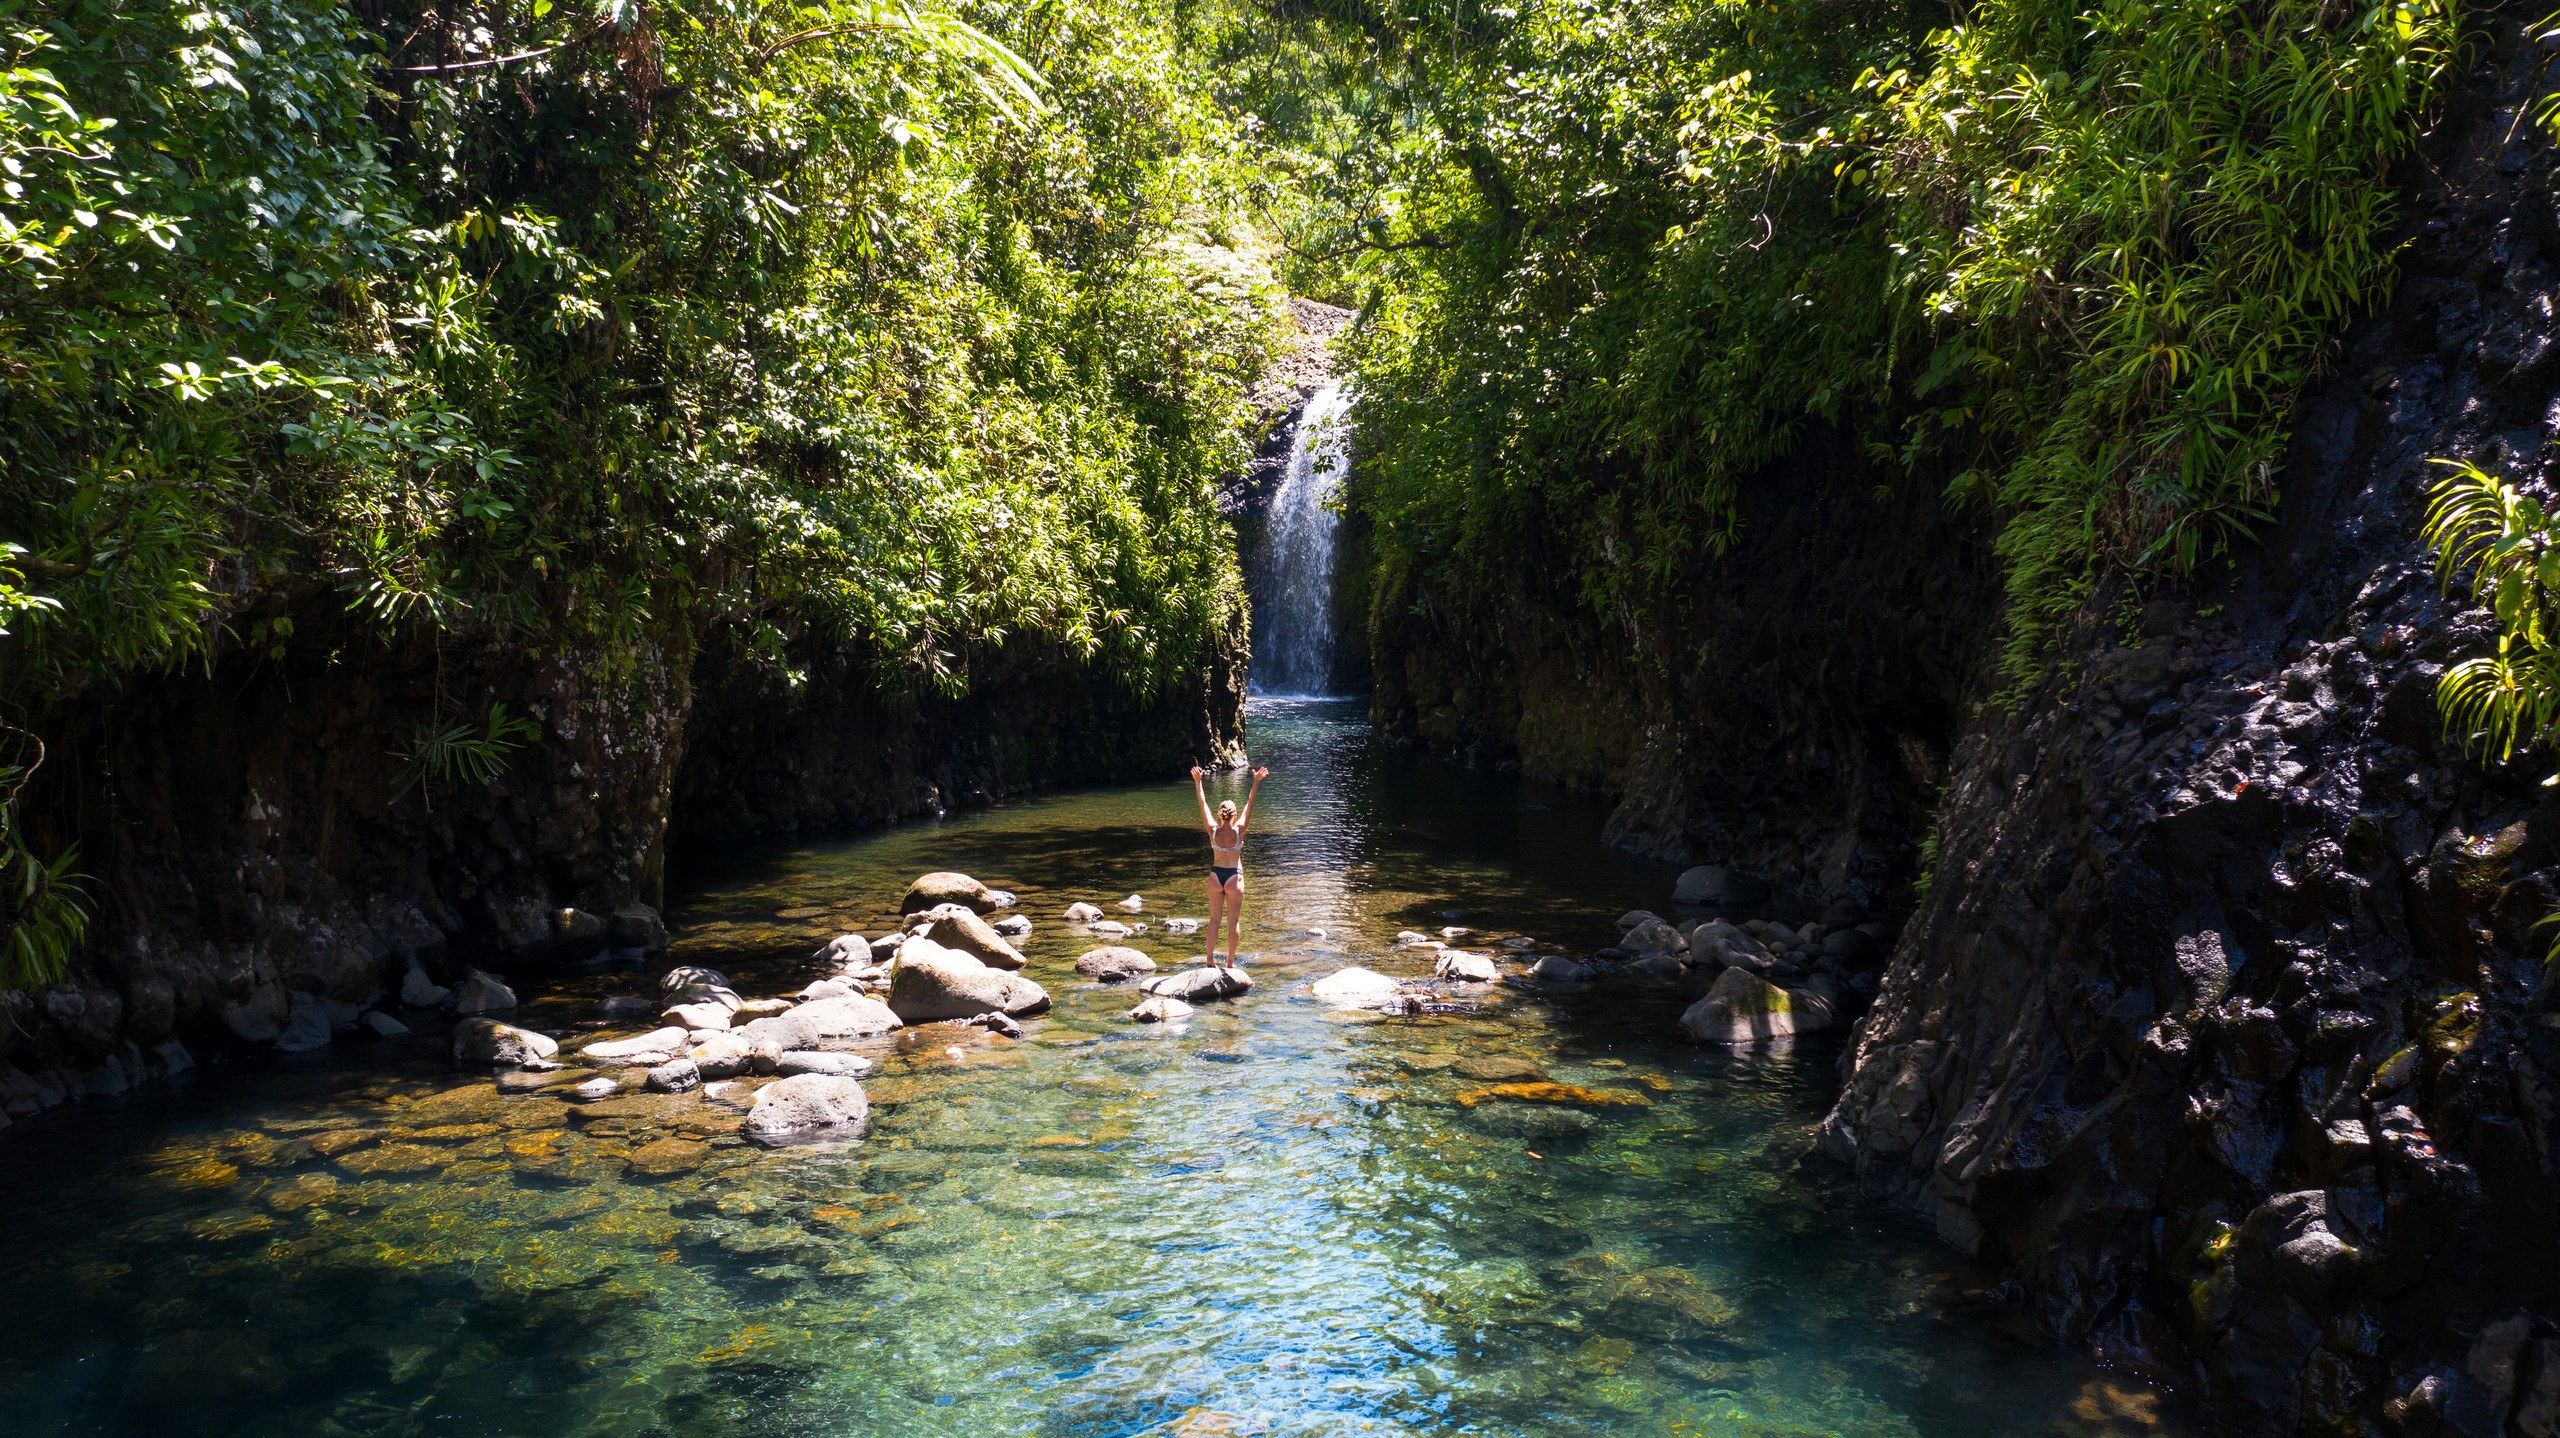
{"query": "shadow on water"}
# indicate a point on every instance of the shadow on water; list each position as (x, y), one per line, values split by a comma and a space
(1274, 1217)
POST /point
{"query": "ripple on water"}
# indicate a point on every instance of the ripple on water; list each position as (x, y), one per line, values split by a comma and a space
(1538, 1218)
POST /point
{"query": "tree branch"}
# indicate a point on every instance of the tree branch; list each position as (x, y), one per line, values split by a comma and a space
(490, 61)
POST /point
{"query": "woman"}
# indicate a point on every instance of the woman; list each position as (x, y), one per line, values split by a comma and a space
(1226, 862)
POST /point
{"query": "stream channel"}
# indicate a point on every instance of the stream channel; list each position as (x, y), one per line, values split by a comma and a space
(1275, 1218)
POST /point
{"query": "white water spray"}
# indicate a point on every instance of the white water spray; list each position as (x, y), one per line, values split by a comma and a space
(1293, 607)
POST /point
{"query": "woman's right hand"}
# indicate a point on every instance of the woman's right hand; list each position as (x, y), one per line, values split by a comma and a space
(1197, 771)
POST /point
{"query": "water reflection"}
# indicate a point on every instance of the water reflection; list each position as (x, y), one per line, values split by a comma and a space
(1276, 1218)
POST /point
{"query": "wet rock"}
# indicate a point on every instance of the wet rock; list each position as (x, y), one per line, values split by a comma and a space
(420, 992)
(1710, 884)
(482, 993)
(1410, 939)
(932, 982)
(677, 981)
(818, 1061)
(1002, 898)
(1110, 929)
(807, 1106)
(699, 1018)
(1497, 1068)
(1557, 969)
(487, 1043)
(1742, 1008)
(653, 1047)
(674, 1076)
(1464, 967)
(1082, 913)
(1572, 1095)
(842, 951)
(1134, 904)
(1355, 988)
(595, 1089)
(955, 926)
(936, 889)
(1200, 985)
(1160, 1009)
(995, 1024)
(1182, 926)
(1014, 926)
(1542, 1125)
(668, 1158)
(1112, 964)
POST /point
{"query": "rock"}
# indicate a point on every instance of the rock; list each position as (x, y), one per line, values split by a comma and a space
(831, 989)
(721, 1055)
(1002, 898)
(420, 992)
(1133, 904)
(1182, 926)
(1652, 936)
(637, 926)
(1199, 985)
(487, 1043)
(995, 1024)
(658, 1042)
(1013, 926)
(1112, 964)
(936, 889)
(1082, 913)
(595, 1089)
(818, 1061)
(579, 929)
(933, 982)
(810, 1105)
(482, 993)
(1356, 988)
(1745, 1008)
(1158, 1009)
(1465, 967)
(1852, 946)
(1668, 964)
(623, 1008)
(1708, 884)
(674, 1076)
(853, 1016)
(690, 976)
(885, 947)
(762, 1009)
(307, 1026)
(956, 927)
(699, 1018)
(1520, 941)
(1717, 945)
(173, 1057)
(1844, 914)
(1407, 938)
(1110, 929)
(1455, 933)
(842, 950)
(1633, 917)
(259, 1017)
(1557, 969)
(667, 1158)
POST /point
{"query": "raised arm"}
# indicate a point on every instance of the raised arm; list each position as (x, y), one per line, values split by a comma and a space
(1247, 816)
(1207, 821)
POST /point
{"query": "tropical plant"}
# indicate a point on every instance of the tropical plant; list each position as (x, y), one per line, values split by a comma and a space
(2505, 544)
(461, 753)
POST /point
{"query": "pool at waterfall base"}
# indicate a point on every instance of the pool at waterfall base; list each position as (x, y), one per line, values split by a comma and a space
(1277, 1217)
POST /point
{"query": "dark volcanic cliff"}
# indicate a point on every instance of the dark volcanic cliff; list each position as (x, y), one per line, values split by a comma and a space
(2226, 1024)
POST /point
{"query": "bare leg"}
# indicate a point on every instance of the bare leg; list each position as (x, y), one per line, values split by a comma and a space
(1217, 912)
(1235, 916)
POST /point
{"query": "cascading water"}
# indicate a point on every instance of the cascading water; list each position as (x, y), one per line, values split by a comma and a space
(1293, 604)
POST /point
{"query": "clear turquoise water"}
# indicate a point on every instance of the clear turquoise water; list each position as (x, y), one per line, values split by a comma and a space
(1276, 1218)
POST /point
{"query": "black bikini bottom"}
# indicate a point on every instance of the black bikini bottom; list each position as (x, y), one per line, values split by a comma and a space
(1223, 875)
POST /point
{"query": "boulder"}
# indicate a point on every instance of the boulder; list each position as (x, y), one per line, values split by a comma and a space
(762, 1009)
(1465, 967)
(1632, 917)
(595, 1090)
(819, 1061)
(843, 950)
(885, 947)
(307, 1025)
(956, 927)
(420, 992)
(721, 1055)
(699, 1018)
(690, 976)
(1557, 969)
(1652, 936)
(933, 982)
(1002, 898)
(936, 889)
(660, 1042)
(852, 1016)
(1355, 988)
(1744, 1008)
(1844, 914)
(807, 1106)
(384, 1024)
(1198, 985)
(1717, 945)
(637, 926)
(1134, 904)
(482, 993)
(674, 1076)
(1157, 1009)
(1112, 964)
(1669, 964)
(1013, 926)
(1852, 946)
(831, 988)
(487, 1043)
(1081, 913)
(1709, 884)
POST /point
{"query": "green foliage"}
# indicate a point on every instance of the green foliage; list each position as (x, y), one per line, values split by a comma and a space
(2506, 545)
(460, 754)
(2076, 260)
(44, 904)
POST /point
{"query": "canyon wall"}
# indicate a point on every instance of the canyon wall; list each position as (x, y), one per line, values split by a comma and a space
(2224, 1021)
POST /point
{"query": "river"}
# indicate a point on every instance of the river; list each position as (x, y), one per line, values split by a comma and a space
(1275, 1218)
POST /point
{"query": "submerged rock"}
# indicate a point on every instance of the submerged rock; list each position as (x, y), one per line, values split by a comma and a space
(816, 1061)
(1203, 984)
(932, 982)
(487, 1043)
(1134, 904)
(1112, 964)
(1110, 929)
(936, 889)
(806, 1106)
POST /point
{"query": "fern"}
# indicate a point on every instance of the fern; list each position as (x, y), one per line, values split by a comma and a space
(2503, 542)
(460, 754)
(44, 904)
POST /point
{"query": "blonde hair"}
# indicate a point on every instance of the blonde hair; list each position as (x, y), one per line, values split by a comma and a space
(1226, 810)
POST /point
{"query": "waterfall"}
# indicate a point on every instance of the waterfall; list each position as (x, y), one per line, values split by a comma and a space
(1293, 605)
